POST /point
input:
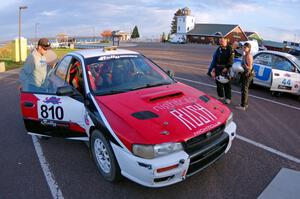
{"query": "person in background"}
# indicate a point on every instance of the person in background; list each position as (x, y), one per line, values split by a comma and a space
(235, 46)
(34, 71)
(246, 76)
(223, 62)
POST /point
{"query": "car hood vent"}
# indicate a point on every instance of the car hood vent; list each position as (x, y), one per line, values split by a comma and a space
(204, 98)
(162, 95)
(144, 115)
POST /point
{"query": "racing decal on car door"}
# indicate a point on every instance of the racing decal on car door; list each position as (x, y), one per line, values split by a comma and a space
(64, 114)
(262, 73)
(50, 108)
(193, 116)
(285, 81)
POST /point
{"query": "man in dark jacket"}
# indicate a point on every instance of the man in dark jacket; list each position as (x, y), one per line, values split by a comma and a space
(223, 62)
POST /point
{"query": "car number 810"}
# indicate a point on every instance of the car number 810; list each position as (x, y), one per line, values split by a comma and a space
(53, 112)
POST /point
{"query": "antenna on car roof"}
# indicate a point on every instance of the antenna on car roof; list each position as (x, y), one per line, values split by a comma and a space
(110, 48)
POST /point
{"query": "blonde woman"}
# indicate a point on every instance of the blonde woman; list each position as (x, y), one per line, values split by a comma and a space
(246, 76)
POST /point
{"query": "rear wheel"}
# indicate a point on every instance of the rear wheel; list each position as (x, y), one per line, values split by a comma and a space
(104, 157)
(276, 94)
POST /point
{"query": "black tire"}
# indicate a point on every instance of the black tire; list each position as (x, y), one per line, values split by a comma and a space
(276, 94)
(114, 173)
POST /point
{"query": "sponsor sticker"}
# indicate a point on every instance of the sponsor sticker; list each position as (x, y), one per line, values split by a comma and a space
(171, 104)
(194, 116)
(52, 100)
(108, 57)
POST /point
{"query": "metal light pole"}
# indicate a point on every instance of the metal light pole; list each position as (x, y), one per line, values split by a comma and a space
(20, 9)
(36, 30)
(94, 35)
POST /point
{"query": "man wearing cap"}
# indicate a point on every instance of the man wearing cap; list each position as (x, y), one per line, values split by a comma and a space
(34, 71)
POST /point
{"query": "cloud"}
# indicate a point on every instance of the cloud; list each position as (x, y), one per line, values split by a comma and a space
(152, 16)
(6, 4)
(50, 13)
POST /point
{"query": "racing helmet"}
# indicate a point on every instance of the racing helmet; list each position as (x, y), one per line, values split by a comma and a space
(222, 79)
(237, 67)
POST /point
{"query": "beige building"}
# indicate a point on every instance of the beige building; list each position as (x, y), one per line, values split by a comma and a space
(124, 36)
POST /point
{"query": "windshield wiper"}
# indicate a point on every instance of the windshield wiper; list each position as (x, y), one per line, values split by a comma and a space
(112, 92)
(151, 85)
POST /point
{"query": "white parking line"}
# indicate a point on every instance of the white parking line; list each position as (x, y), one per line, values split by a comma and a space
(269, 149)
(55, 190)
(250, 95)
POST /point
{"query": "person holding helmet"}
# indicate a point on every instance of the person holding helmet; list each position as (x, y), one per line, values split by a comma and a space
(223, 62)
(34, 72)
(246, 76)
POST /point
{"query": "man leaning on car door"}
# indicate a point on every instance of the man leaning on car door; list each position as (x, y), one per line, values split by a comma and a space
(34, 71)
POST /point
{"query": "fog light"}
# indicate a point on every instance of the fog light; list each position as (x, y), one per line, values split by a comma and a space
(167, 168)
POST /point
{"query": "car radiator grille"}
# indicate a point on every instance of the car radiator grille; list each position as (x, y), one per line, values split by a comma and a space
(204, 150)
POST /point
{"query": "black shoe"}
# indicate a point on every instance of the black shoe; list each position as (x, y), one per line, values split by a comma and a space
(209, 74)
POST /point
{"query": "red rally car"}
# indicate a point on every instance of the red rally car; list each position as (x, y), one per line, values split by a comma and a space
(139, 121)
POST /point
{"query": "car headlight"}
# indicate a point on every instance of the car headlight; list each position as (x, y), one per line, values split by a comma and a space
(229, 119)
(152, 151)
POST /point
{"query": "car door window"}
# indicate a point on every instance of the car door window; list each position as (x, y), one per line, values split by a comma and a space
(62, 68)
(75, 76)
(281, 63)
(263, 59)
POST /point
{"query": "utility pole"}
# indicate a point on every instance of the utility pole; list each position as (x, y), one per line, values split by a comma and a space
(20, 9)
(36, 31)
(94, 34)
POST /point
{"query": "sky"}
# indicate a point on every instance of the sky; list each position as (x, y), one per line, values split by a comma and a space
(273, 20)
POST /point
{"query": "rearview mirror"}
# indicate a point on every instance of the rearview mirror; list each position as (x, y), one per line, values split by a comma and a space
(65, 91)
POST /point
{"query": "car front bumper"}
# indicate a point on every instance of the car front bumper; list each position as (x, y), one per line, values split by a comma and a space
(173, 168)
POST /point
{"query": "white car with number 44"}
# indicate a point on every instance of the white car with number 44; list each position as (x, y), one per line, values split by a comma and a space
(276, 70)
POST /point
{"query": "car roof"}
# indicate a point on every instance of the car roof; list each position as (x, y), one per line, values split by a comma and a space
(275, 53)
(101, 52)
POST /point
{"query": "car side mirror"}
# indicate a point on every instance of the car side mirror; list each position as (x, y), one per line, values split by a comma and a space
(65, 91)
(170, 72)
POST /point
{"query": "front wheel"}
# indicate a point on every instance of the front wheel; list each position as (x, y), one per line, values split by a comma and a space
(104, 157)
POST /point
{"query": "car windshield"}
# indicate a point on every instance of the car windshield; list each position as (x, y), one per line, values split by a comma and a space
(122, 73)
(295, 60)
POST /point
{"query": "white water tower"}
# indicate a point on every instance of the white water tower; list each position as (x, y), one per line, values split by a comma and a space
(185, 22)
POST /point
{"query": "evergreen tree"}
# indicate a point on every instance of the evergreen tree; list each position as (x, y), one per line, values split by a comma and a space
(169, 37)
(163, 37)
(135, 33)
(174, 21)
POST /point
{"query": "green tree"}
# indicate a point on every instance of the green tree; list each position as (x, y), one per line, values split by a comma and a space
(174, 21)
(163, 37)
(135, 33)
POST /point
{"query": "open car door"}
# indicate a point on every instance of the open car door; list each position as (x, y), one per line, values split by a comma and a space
(56, 112)
(285, 77)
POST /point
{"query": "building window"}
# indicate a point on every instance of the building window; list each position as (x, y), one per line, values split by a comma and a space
(188, 29)
(202, 38)
(183, 19)
(178, 28)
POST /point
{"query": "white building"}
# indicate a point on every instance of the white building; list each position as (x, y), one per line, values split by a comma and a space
(186, 22)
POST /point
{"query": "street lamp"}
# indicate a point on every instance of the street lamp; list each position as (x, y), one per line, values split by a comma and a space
(94, 35)
(35, 30)
(20, 9)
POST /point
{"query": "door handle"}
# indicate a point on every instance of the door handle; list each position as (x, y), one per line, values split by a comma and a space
(29, 104)
(276, 74)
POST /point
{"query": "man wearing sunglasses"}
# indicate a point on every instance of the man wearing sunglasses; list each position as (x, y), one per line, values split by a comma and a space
(34, 71)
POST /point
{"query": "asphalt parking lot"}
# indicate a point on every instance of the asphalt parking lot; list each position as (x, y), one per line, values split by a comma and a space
(269, 139)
